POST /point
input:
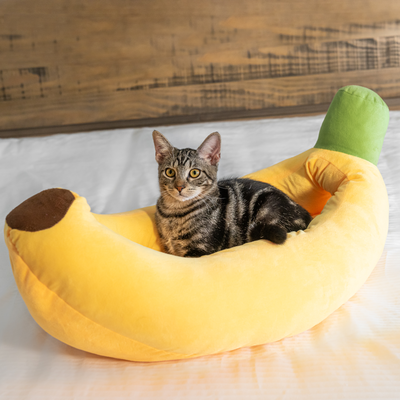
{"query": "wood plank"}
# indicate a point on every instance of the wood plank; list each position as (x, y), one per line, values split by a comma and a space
(248, 93)
(79, 63)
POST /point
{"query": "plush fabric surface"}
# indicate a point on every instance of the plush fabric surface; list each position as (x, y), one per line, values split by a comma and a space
(93, 289)
(352, 354)
(90, 287)
(354, 111)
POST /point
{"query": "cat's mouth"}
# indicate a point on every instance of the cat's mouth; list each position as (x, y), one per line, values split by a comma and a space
(180, 196)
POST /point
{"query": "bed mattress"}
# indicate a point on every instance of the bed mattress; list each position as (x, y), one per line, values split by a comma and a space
(353, 354)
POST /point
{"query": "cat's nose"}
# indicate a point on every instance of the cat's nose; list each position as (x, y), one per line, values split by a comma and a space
(180, 188)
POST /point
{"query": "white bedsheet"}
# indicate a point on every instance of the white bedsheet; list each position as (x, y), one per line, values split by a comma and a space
(353, 354)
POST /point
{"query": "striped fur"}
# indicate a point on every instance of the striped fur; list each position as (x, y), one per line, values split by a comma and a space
(199, 216)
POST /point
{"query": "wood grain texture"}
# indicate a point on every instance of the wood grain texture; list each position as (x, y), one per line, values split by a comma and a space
(103, 63)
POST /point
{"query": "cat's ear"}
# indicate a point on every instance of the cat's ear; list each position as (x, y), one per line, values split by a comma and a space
(162, 146)
(210, 149)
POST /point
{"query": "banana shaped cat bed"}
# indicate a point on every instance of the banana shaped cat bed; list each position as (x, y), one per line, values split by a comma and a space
(101, 284)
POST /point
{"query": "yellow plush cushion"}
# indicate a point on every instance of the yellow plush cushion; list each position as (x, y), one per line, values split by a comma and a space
(100, 283)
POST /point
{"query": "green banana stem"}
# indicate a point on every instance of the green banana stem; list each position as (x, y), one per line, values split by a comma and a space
(355, 124)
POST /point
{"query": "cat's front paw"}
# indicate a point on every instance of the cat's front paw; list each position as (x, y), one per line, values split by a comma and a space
(276, 234)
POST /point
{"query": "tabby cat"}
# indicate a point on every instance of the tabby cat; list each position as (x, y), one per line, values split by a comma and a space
(198, 215)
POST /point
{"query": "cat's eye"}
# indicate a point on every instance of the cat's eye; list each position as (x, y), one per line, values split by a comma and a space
(194, 173)
(170, 172)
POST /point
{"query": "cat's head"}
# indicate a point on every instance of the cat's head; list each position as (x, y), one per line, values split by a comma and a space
(187, 173)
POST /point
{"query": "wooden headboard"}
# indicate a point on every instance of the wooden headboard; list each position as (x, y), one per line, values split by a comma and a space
(73, 65)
